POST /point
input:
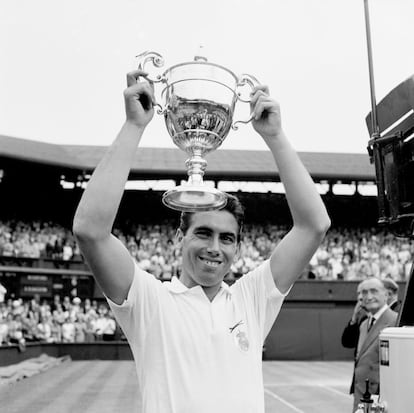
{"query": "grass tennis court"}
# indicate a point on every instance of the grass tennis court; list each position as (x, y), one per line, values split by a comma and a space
(108, 387)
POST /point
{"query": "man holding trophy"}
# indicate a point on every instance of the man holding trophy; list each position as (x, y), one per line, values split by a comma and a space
(197, 342)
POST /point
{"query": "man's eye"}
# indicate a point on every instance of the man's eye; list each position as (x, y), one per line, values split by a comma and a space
(228, 239)
(202, 234)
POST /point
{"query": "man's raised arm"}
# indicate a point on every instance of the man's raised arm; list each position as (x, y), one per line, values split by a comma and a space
(107, 257)
(310, 219)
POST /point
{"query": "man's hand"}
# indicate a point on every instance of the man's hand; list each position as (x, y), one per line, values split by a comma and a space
(266, 113)
(139, 99)
(359, 312)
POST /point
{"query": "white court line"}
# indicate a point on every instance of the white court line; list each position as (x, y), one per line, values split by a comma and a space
(334, 390)
(303, 384)
(275, 396)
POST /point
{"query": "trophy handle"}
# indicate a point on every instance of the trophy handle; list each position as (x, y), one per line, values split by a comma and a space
(244, 80)
(158, 61)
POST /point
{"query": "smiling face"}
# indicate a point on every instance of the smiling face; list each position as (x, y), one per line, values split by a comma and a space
(209, 247)
(374, 295)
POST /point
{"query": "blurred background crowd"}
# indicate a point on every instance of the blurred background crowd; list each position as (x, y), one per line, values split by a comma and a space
(61, 321)
(345, 254)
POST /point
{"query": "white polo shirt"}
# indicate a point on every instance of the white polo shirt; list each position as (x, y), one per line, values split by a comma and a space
(197, 356)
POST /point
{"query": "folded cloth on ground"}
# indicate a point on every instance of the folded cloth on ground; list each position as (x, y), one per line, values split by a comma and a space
(29, 367)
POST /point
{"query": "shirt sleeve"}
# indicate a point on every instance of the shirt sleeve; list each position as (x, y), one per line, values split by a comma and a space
(136, 312)
(259, 290)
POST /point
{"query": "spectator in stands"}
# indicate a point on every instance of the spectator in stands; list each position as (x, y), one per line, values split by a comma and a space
(105, 325)
(349, 271)
(87, 307)
(56, 302)
(91, 319)
(68, 330)
(95, 306)
(167, 271)
(59, 314)
(133, 249)
(162, 319)
(67, 251)
(405, 258)
(77, 256)
(7, 246)
(29, 324)
(44, 329)
(45, 308)
(15, 330)
(66, 304)
(4, 330)
(75, 308)
(56, 331)
(34, 306)
(3, 292)
(57, 251)
(4, 310)
(80, 328)
(144, 260)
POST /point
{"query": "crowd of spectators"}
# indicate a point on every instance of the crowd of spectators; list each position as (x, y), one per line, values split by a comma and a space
(345, 254)
(61, 321)
(356, 254)
(37, 239)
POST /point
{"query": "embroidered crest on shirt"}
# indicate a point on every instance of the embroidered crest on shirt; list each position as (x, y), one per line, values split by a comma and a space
(240, 336)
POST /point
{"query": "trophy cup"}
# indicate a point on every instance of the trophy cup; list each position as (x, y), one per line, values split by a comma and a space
(199, 101)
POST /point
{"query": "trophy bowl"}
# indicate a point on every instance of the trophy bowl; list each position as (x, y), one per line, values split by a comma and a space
(199, 102)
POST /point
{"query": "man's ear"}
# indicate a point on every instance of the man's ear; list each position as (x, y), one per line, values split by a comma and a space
(179, 237)
(237, 255)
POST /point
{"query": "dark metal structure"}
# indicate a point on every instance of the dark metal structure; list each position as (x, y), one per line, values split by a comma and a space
(391, 149)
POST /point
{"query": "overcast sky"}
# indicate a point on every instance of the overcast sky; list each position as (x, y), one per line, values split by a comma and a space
(63, 63)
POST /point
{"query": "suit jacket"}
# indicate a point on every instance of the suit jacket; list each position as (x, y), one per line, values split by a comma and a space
(350, 335)
(367, 360)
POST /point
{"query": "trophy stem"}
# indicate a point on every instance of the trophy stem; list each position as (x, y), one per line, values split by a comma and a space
(196, 165)
(194, 196)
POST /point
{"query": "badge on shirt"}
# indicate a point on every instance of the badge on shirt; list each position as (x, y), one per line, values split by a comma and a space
(240, 336)
(242, 341)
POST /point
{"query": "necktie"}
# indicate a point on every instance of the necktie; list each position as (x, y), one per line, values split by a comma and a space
(371, 323)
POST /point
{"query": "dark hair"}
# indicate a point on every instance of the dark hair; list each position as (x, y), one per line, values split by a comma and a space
(233, 206)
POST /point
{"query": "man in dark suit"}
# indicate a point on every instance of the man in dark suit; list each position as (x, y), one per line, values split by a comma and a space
(350, 334)
(392, 287)
(374, 299)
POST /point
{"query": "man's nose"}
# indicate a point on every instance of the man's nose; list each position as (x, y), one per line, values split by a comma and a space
(214, 244)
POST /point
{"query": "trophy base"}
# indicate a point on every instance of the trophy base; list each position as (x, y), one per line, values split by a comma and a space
(195, 198)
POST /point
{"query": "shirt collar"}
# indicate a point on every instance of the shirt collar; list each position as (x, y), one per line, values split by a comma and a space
(177, 287)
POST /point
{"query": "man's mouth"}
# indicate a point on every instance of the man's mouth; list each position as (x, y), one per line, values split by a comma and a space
(210, 263)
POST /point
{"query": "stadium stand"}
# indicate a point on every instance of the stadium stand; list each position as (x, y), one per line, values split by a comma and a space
(39, 259)
(346, 253)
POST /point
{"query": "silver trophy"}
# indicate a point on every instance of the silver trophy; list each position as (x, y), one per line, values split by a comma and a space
(199, 101)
